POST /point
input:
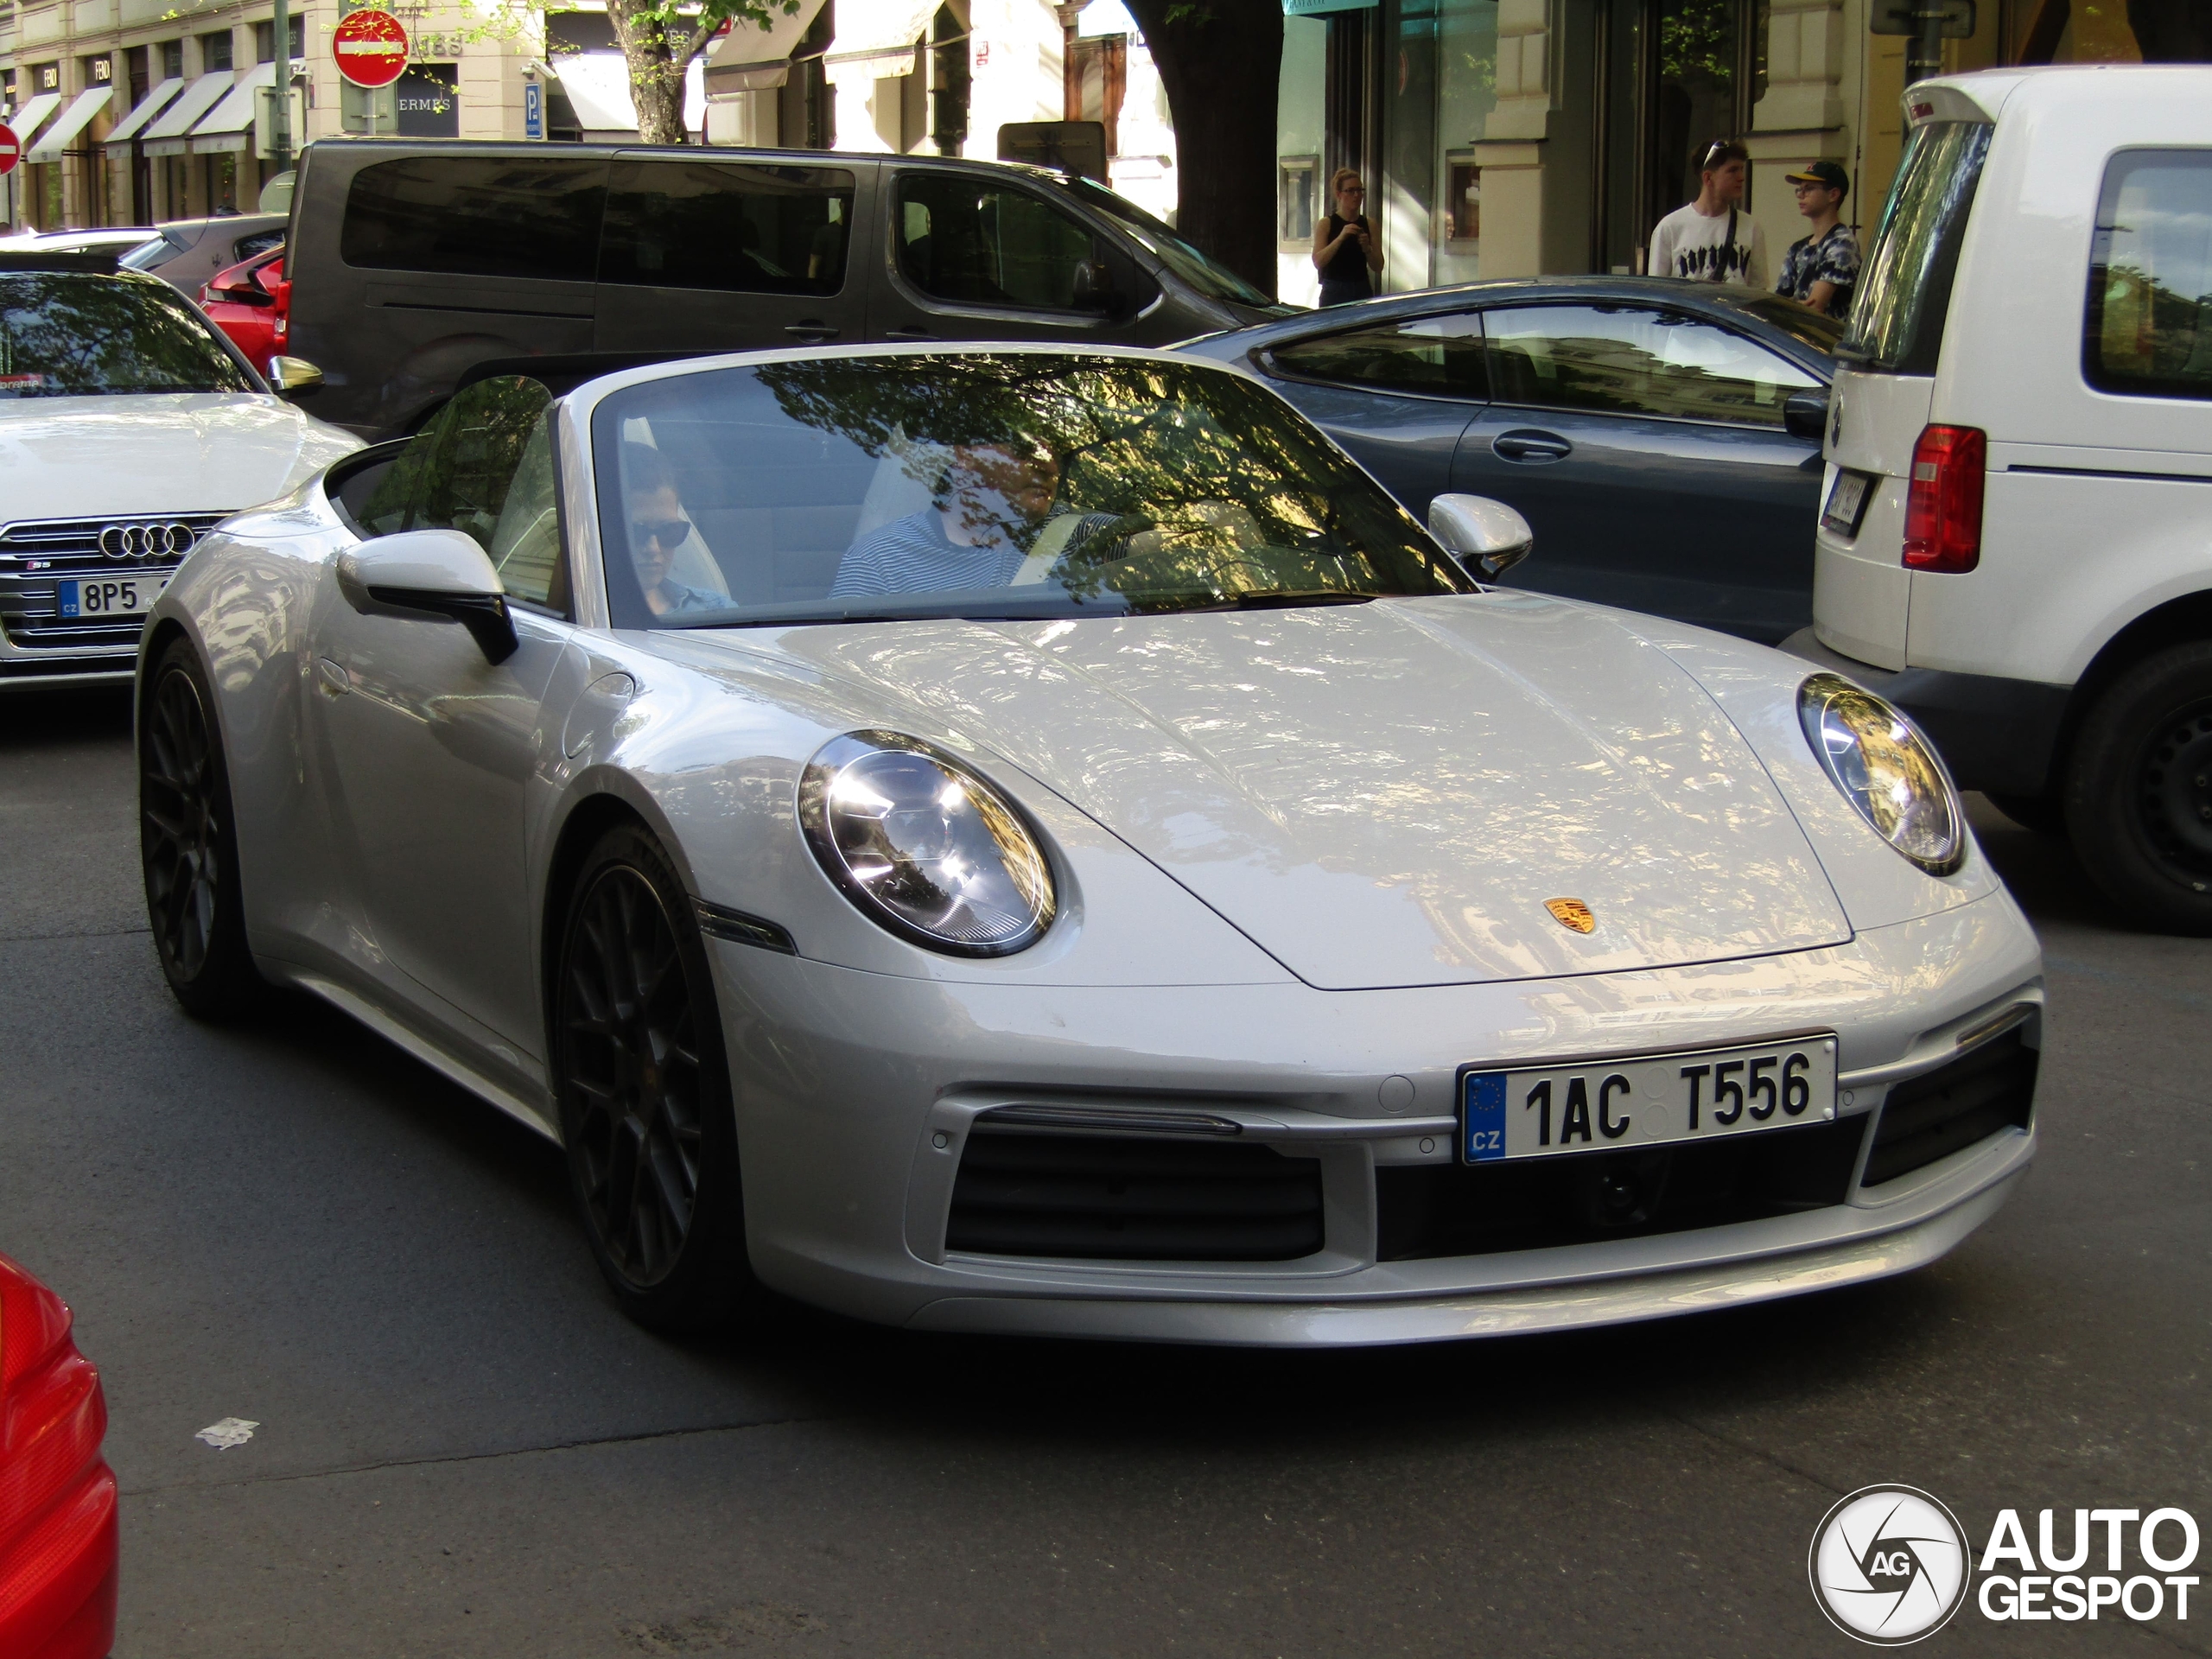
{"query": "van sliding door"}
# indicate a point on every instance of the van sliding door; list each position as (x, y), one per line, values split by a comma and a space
(711, 256)
(465, 258)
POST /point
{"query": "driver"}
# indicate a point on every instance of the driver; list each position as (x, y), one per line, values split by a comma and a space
(659, 525)
(981, 525)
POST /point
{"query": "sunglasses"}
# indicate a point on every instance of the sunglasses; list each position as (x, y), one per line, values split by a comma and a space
(667, 531)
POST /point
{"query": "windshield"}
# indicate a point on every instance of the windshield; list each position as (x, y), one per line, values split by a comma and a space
(1800, 322)
(1897, 319)
(984, 485)
(1211, 280)
(65, 335)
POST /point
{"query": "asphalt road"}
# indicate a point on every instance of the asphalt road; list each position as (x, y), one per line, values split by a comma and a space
(463, 1449)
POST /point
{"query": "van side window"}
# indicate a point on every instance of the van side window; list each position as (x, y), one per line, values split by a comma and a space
(477, 216)
(754, 230)
(484, 467)
(974, 241)
(2148, 327)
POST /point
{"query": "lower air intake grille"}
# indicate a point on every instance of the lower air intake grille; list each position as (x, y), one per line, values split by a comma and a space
(1119, 1197)
(1439, 1210)
(1940, 1112)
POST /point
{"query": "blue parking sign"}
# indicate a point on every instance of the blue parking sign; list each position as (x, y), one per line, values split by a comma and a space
(533, 110)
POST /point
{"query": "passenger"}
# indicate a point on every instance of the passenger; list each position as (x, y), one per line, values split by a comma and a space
(985, 510)
(659, 526)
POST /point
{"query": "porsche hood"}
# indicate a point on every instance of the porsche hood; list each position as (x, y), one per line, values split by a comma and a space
(155, 453)
(1397, 793)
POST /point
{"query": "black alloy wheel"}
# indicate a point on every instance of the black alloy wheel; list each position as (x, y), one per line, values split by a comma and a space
(2139, 796)
(646, 1106)
(187, 846)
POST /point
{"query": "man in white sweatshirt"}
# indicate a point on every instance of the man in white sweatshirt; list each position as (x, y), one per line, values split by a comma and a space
(1713, 239)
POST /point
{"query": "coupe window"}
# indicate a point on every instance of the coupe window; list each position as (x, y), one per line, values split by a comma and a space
(67, 335)
(484, 467)
(982, 485)
(1441, 357)
(1624, 359)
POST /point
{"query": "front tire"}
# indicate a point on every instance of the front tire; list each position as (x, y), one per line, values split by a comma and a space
(646, 1113)
(2138, 791)
(188, 844)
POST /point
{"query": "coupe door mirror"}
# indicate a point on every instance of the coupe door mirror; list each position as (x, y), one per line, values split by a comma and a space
(430, 573)
(293, 373)
(1488, 536)
(1805, 414)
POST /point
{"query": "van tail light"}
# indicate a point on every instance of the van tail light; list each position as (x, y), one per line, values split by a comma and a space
(1942, 509)
(57, 1495)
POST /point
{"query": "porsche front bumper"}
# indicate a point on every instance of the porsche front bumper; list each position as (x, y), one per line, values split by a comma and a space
(860, 1095)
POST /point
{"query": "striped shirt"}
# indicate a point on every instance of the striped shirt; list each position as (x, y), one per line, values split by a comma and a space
(914, 556)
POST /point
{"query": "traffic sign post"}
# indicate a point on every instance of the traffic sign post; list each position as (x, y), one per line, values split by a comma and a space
(11, 150)
(370, 47)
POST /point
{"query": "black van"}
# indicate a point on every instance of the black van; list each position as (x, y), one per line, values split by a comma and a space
(411, 262)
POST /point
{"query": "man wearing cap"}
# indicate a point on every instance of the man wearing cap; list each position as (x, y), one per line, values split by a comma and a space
(1822, 269)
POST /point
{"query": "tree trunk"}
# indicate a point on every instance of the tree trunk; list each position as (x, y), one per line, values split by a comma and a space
(656, 70)
(1221, 61)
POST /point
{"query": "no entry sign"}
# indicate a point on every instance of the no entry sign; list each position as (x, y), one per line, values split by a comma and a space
(370, 47)
(11, 150)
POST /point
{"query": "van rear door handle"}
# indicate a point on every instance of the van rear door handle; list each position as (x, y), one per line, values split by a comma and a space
(812, 330)
(1527, 444)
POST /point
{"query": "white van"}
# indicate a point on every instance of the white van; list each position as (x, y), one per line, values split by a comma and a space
(2015, 541)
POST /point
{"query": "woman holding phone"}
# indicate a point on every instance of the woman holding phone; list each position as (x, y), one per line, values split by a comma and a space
(1345, 252)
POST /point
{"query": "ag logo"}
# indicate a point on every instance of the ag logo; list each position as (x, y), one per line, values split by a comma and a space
(1889, 1565)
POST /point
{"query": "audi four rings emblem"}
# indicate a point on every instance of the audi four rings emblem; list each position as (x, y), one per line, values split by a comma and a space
(146, 541)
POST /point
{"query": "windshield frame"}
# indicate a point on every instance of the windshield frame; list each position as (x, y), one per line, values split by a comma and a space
(593, 418)
(1212, 279)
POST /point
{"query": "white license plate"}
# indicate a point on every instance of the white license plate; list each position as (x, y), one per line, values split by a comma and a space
(1706, 1094)
(1846, 501)
(98, 596)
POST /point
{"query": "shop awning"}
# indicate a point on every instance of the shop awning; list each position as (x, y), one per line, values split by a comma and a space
(755, 57)
(167, 136)
(72, 121)
(598, 88)
(875, 38)
(25, 121)
(228, 125)
(144, 111)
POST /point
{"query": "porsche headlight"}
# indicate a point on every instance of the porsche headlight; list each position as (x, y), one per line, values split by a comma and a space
(1886, 770)
(923, 846)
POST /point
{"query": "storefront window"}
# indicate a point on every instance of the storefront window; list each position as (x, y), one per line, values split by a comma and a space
(1466, 92)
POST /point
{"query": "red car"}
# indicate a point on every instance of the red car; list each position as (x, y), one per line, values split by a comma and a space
(57, 1494)
(251, 301)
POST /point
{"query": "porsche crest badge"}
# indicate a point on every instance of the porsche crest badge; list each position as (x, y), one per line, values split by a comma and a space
(1572, 914)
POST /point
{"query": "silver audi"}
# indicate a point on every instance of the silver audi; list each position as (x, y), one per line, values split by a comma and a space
(1011, 839)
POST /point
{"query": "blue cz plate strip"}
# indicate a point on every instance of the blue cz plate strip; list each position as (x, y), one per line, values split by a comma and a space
(66, 591)
(1482, 1122)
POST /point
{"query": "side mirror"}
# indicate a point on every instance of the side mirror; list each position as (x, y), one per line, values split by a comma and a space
(1805, 414)
(435, 573)
(289, 374)
(1094, 289)
(1487, 536)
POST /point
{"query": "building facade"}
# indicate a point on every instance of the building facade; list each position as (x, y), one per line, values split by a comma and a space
(1520, 137)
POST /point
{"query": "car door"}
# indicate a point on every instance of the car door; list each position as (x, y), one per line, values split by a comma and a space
(967, 255)
(1396, 395)
(711, 256)
(1645, 447)
(426, 746)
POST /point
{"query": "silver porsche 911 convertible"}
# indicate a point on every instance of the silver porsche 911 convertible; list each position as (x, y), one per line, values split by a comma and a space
(1016, 840)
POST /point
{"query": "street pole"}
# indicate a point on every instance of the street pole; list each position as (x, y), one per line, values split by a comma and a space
(280, 129)
(1926, 56)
